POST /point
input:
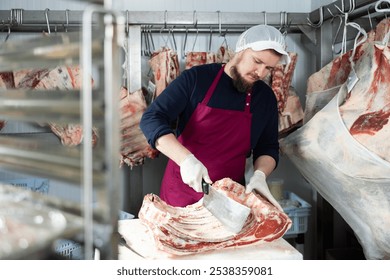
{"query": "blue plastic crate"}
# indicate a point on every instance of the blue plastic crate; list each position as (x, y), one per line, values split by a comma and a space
(298, 211)
(70, 249)
(40, 185)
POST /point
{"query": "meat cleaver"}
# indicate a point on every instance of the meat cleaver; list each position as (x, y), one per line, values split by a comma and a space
(229, 212)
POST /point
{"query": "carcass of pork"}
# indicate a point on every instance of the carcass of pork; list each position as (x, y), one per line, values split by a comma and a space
(134, 146)
(224, 54)
(193, 229)
(63, 78)
(165, 67)
(323, 85)
(344, 152)
(199, 58)
(289, 104)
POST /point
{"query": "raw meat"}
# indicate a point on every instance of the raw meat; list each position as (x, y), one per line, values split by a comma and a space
(199, 58)
(324, 84)
(224, 54)
(62, 78)
(165, 66)
(333, 74)
(281, 80)
(366, 111)
(134, 146)
(344, 152)
(289, 104)
(193, 229)
(292, 114)
(6, 81)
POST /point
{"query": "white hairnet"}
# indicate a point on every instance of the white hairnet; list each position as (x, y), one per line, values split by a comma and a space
(263, 37)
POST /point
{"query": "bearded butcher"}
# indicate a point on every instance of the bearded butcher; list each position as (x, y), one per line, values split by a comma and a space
(223, 113)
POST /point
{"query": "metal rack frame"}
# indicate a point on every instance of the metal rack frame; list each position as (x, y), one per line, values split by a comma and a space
(95, 169)
(314, 25)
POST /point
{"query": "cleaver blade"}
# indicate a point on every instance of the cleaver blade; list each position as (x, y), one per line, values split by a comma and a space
(229, 212)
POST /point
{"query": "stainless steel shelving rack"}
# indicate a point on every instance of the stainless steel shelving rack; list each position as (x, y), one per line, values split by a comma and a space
(94, 169)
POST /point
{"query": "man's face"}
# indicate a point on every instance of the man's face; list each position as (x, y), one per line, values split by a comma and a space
(252, 66)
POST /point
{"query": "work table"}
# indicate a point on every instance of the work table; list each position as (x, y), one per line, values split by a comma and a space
(141, 241)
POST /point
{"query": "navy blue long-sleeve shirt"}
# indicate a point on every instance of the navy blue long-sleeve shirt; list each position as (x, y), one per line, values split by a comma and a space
(179, 100)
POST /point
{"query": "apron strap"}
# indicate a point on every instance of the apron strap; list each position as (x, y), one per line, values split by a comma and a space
(211, 89)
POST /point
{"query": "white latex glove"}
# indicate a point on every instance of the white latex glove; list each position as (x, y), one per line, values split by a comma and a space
(192, 171)
(258, 183)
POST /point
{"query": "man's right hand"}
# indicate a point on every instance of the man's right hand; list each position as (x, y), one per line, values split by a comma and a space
(192, 171)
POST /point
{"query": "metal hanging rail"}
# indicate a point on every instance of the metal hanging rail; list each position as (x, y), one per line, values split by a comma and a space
(66, 20)
(329, 11)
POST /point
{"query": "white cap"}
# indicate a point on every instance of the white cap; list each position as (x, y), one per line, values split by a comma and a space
(263, 37)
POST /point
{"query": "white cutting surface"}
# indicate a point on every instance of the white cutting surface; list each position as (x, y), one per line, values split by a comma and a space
(140, 239)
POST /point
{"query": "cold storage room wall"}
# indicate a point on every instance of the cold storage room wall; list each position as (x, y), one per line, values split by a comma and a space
(147, 178)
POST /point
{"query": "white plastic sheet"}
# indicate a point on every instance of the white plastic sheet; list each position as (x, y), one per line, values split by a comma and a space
(351, 177)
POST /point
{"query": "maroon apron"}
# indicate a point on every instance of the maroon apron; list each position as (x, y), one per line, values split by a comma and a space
(219, 138)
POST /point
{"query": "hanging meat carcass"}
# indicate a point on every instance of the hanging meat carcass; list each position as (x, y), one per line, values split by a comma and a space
(323, 85)
(165, 66)
(344, 152)
(63, 78)
(193, 229)
(224, 54)
(134, 146)
(289, 105)
(199, 58)
(6, 81)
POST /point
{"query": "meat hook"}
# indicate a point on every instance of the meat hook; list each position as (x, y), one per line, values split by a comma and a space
(151, 40)
(184, 44)
(352, 5)
(66, 20)
(337, 33)
(127, 23)
(195, 19)
(379, 3)
(8, 32)
(173, 38)
(219, 23)
(320, 22)
(211, 37)
(196, 37)
(47, 19)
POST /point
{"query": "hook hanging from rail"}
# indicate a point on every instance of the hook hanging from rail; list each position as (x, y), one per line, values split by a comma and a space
(183, 52)
(352, 5)
(320, 22)
(337, 31)
(165, 19)
(173, 38)
(211, 37)
(380, 10)
(196, 37)
(127, 23)
(219, 23)
(369, 16)
(151, 39)
(47, 20)
(195, 19)
(8, 32)
(66, 20)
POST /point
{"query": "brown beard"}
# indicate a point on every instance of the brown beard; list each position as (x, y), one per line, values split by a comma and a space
(238, 81)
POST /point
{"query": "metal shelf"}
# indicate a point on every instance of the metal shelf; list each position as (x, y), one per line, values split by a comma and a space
(94, 168)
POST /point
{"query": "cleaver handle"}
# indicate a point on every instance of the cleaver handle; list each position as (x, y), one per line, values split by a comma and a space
(205, 187)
